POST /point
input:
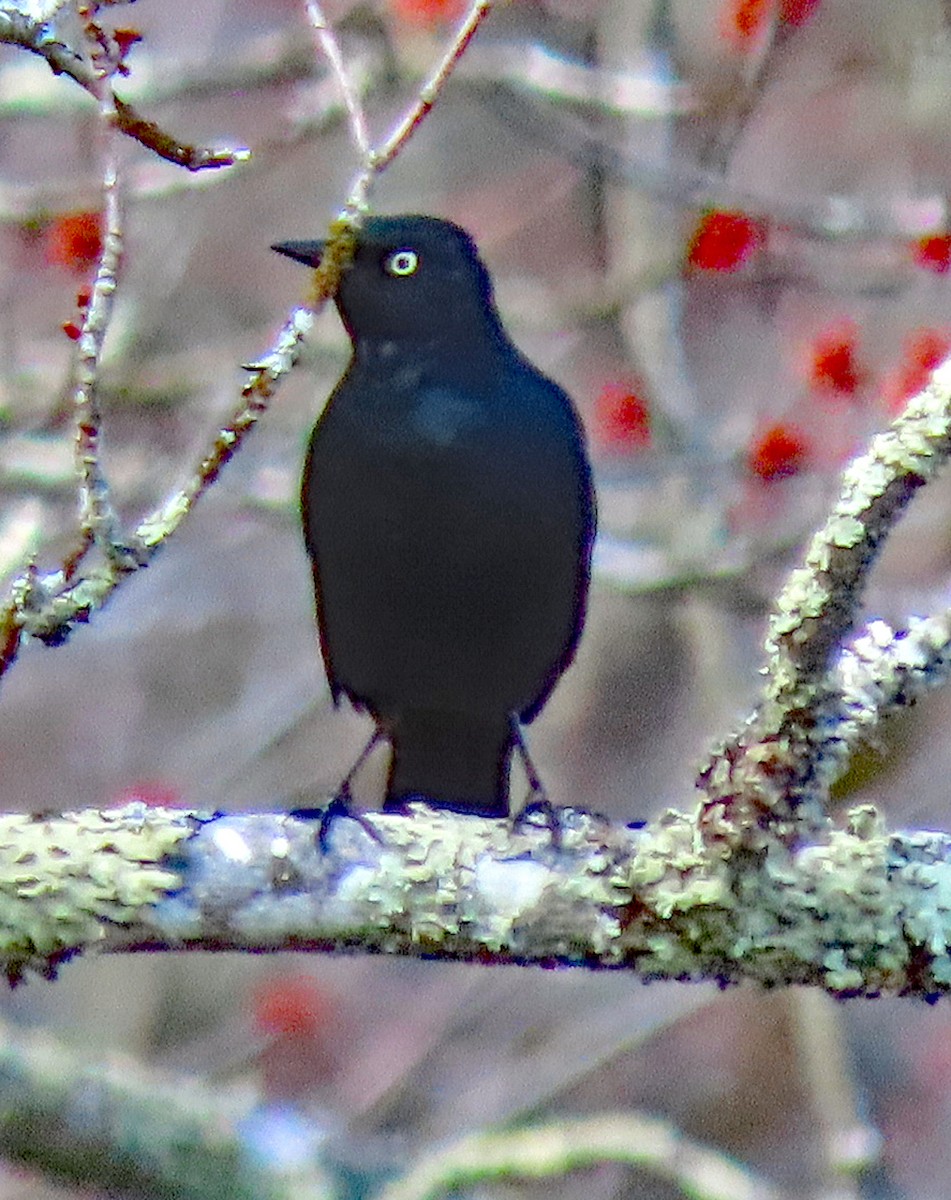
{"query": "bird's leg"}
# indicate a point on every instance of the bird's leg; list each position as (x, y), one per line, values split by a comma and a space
(539, 805)
(342, 803)
(536, 787)
(343, 792)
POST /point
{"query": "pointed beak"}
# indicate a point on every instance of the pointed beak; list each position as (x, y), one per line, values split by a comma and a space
(307, 253)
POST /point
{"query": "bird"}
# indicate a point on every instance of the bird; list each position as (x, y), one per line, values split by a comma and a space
(449, 515)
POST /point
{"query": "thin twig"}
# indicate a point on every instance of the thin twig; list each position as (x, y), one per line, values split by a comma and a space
(18, 29)
(97, 514)
(340, 244)
(47, 606)
(156, 528)
(327, 40)
(380, 157)
(847, 1144)
(429, 93)
(165, 145)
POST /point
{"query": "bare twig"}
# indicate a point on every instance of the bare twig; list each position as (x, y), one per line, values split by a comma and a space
(380, 157)
(255, 395)
(169, 147)
(327, 39)
(46, 606)
(17, 29)
(429, 93)
(97, 514)
(847, 1143)
(340, 244)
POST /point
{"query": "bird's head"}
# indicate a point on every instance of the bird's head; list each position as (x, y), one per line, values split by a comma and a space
(412, 278)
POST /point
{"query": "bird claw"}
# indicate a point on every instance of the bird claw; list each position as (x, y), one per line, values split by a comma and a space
(341, 806)
(549, 818)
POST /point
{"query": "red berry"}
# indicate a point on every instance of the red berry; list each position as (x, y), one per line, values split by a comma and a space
(428, 12)
(780, 451)
(743, 21)
(923, 350)
(833, 366)
(622, 418)
(72, 330)
(292, 1006)
(934, 252)
(927, 347)
(74, 240)
(723, 241)
(797, 12)
(150, 792)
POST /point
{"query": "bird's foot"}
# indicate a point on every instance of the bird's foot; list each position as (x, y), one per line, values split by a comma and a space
(541, 812)
(341, 806)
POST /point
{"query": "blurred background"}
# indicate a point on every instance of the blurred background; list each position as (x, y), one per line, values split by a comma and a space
(723, 226)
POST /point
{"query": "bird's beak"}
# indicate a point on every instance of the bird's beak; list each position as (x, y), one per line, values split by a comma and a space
(307, 253)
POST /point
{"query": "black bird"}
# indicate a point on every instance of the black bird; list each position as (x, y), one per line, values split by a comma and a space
(449, 515)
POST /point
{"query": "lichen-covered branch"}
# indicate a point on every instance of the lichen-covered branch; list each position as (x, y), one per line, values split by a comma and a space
(867, 912)
(819, 695)
(881, 670)
(114, 1129)
(545, 1151)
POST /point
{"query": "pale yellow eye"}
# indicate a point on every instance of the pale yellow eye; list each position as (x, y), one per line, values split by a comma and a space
(401, 262)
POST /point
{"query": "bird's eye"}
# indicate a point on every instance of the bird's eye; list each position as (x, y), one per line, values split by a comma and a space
(401, 262)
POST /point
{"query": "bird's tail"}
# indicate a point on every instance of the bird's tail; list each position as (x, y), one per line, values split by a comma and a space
(453, 758)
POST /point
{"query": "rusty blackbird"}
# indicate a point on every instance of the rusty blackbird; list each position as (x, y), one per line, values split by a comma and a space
(448, 513)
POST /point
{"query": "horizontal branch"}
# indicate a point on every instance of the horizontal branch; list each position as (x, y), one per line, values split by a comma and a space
(864, 913)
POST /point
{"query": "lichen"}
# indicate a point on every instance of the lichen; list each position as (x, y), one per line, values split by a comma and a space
(63, 877)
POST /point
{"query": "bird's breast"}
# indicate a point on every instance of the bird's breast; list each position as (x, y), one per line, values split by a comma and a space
(442, 418)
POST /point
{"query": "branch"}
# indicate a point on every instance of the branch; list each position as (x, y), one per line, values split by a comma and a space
(429, 93)
(821, 696)
(866, 913)
(17, 29)
(99, 523)
(327, 40)
(340, 243)
(634, 1139)
(113, 1128)
(48, 606)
